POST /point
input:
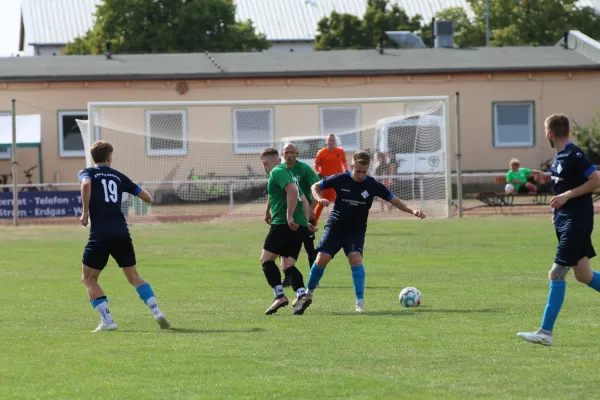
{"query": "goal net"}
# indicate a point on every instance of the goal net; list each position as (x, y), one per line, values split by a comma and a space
(201, 160)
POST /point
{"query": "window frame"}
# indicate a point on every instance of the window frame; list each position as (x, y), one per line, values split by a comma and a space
(532, 141)
(325, 133)
(166, 152)
(236, 141)
(8, 154)
(61, 151)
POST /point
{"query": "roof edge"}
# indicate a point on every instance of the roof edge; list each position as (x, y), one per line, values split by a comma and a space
(300, 74)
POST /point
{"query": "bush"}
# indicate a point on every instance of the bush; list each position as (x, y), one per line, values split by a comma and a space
(588, 138)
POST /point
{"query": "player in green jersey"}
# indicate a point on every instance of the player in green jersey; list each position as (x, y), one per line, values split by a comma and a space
(290, 212)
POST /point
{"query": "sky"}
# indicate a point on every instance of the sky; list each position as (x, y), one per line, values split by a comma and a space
(10, 22)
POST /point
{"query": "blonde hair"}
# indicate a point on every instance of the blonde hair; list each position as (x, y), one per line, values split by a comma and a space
(513, 161)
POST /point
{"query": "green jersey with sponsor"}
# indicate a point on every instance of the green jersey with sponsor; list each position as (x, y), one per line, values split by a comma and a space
(305, 176)
(279, 177)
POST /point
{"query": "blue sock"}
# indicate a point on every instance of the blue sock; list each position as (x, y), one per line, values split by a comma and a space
(358, 278)
(595, 282)
(145, 292)
(99, 300)
(556, 296)
(315, 276)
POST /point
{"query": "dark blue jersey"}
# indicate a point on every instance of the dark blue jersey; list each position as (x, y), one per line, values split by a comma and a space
(108, 185)
(571, 168)
(353, 199)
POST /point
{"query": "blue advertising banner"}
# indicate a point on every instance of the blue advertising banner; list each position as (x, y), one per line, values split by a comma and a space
(42, 204)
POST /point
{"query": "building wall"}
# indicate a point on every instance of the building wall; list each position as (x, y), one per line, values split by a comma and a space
(47, 50)
(211, 129)
(292, 46)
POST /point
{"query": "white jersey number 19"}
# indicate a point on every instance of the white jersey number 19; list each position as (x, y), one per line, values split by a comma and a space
(110, 191)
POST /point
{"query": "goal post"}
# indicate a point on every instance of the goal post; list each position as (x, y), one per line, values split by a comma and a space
(200, 159)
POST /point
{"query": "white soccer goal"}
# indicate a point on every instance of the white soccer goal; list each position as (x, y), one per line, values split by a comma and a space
(200, 160)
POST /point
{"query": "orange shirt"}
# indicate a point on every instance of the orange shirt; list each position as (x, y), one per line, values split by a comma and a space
(329, 163)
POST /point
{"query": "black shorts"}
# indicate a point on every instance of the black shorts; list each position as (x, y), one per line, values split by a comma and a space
(283, 241)
(523, 189)
(573, 245)
(97, 251)
(333, 240)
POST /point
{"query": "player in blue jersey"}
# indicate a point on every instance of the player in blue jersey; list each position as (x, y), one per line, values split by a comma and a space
(575, 178)
(347, 223)
(101, 192)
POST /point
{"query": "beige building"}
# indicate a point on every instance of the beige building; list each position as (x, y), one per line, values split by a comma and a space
(505, 95)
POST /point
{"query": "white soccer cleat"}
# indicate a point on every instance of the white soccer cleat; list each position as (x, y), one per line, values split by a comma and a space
(102, 327)
(360, 308)
(163, 322)
(536, 338)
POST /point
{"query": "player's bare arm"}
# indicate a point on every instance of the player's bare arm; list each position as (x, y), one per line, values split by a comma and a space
(268, 212)
(86, 193)
(145, 196)
(307, 210)
(292, 201)
(402, 206)
(317, 195)
(593, 183)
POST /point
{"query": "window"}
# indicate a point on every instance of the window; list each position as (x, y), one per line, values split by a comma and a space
(70, 142)
(5, 154)
(513, 124)
(252, 129)
(166, 132)
(343, 122)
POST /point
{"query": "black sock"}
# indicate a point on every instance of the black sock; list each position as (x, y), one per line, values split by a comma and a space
(297, 280)
(309, 247)
(272, 273)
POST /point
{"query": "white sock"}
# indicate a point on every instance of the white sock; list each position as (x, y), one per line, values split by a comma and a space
(153, 306)
(105, 316)
(300, 292)
(360, 302)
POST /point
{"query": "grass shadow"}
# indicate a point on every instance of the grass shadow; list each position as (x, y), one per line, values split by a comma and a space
(415, 311)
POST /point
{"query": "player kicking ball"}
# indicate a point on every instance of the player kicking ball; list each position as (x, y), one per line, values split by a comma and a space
(101, 192)
(347, 223)
(574, 179)
(290, 212)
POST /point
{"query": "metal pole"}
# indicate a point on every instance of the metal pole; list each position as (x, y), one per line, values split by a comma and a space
(459, 194)
(487, 23)
(13, 113)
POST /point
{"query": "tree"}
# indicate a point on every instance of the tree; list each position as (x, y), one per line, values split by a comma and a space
(168, 26)
(345, 31)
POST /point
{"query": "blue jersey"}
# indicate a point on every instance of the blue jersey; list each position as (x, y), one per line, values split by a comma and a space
(353, 199)
(571, 168)
(108, 185)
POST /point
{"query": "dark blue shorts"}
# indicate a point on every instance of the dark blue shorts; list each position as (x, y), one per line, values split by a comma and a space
(573, 245)
(97, 250)
(333, 240)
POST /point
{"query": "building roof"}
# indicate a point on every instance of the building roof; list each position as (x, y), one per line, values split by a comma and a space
(285, 64)
(57, 22)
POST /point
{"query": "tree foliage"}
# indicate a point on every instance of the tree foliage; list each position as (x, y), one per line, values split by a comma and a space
(588, 138)
(152, 26)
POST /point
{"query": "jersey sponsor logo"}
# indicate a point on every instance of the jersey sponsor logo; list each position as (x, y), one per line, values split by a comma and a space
(346, 190)
(557, 179)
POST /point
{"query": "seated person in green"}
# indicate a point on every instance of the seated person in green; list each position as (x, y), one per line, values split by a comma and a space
(516, 178)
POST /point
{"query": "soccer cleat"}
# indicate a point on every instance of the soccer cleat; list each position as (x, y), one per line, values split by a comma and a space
(277, 304)
(360, 308)
(536, 338)
(163, 322)
(301, 304)
(102, 327)
(287, 281)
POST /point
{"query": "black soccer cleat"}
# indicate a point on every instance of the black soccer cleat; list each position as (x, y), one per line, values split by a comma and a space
(277, 304)
(301, 304)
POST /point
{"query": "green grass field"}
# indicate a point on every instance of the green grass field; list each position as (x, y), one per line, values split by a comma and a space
(483, 279)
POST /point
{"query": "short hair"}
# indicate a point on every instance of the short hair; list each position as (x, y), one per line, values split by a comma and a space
(361, 157)
(513, 161)
(269, 152)
(100, 151)
(558, 124)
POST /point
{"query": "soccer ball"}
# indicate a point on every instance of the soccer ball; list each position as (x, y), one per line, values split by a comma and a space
(509, 188)
(410, 297)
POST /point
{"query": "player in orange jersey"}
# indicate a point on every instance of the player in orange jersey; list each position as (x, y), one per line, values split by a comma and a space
(330, 160)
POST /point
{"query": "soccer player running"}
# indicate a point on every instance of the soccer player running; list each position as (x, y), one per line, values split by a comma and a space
(304, 175)
(102, 190)
(290, 212)
(347, 223)
(574, 179)
(330, 160)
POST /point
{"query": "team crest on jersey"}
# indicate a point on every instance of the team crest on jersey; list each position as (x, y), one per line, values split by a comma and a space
(559, 168)
(365, 194)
